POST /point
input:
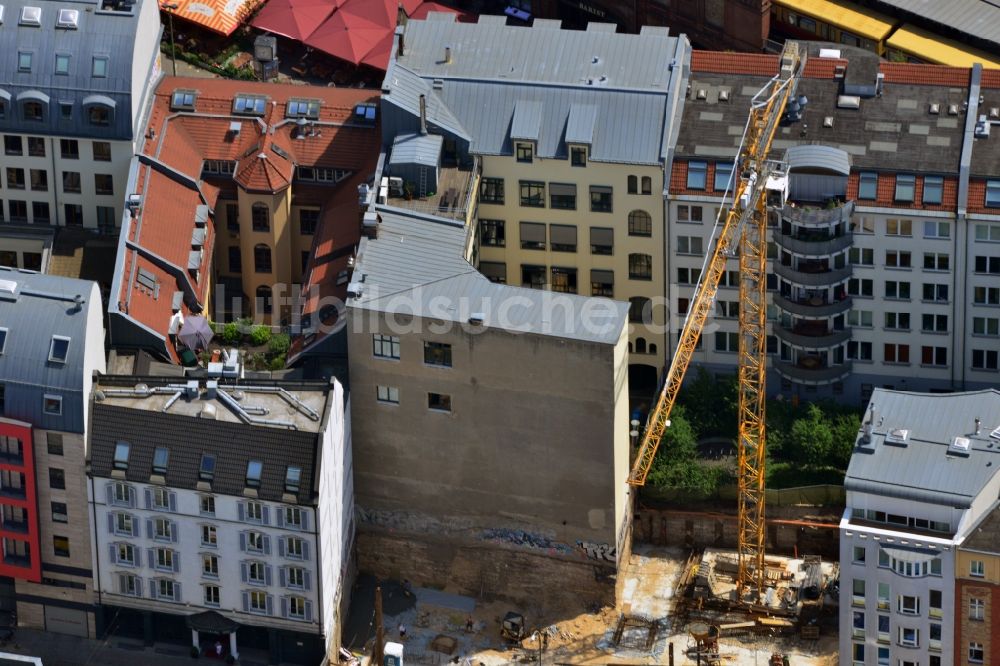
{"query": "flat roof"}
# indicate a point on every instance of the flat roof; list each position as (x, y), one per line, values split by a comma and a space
(936, 49)
(865, 23)
(979, 18)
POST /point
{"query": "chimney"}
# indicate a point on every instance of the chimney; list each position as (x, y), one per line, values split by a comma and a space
(867, 438)
(978, 424)
(423, 114)
(447, 54)
(399, 47)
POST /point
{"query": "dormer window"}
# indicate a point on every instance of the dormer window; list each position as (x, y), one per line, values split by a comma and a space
(182, 100)
(206, 471)
(302, 108)
(365, 114)
(161, 456)
(578, 156)
(252, 105)
(58, 349)
(31, 16)
(68, 19)
(254, 470)
(121, 455)
(293, 476)
(525, 152)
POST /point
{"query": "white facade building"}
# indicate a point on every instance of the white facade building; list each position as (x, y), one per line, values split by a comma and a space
(923, 474)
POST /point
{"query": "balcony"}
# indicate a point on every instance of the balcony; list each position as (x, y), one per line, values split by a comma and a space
(814, 244)
(811, 278)
(805, 373)
(812, 337)
(814, 217)
(812, 307)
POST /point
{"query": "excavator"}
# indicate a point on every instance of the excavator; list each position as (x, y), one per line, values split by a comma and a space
(758, 183)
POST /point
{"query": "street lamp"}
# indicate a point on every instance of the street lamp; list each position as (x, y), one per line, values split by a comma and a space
(169, 8)
(634, 432)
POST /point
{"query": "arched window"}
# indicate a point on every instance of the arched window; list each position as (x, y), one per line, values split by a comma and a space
(633, 185)
(264, 302)
(630, 348)
(99, 114)
(34, 111)
(262, 259)
(652, 348)
(640, 266)
(640, 345)
(640, 223)
(647, 185)
(640, 310)
(261, 216)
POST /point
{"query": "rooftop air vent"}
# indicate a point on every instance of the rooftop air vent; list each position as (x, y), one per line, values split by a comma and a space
(723, 95)
(995, 113)
(68, 19)
(934, 109)
(953, 109)
(31, 16)
(838, 71)
(848, 102)
(208, 411)
(960, 446)
(702, 93)
(982, 130)
(828, 121)
(898, 436)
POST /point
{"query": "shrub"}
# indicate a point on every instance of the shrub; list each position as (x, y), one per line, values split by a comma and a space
(260, 335)
(278, 362)
(231, 333)
(279, 344)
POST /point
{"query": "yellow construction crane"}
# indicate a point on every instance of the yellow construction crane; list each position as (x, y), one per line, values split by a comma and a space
(759, 183)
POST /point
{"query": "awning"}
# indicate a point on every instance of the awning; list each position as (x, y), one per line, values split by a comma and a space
(532, 232)
(602, 236)
(817, 157)
(4, 95)
(103, 100)
(295, 19)
(211, 622)
(33, 96)
(602, 276)
(221, 16)
(563, 234)
(562, 189)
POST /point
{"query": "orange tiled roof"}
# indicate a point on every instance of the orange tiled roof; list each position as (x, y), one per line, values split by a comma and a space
(823, 68)
(725, 62)
(926, 75)
(991, 78)
(885, 193)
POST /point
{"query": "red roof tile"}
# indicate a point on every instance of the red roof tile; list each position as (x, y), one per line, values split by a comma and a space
(823, 68)
(726, 62)
(927, 75)
(885, 193)
(991, 78)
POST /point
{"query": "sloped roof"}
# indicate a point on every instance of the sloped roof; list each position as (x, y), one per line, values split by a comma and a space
(923, 470)
(423, 149)
(816, 156)
(417, 263)
(42, 306)
(985, 535)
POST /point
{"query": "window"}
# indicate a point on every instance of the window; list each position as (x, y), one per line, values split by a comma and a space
(254, 470)
(62, 64)
(293, 475)
(600, 199)
(257, 601)
(60, 546)
(690, 213)
(898, 227)
(206, 505)
(262, 299)
(210, 566)
(293, 516)
(532, 194)
(124, 525)
(250, 104)
(905, 184)
(164, 559)
(934, 323)
(984, 359)
(562, 196)
(934, 355)
(525, 152)
(533, 277)
(909, 637)
(59, 512)
(121, 493)
(491, 191)
(976, 652)
(163, 530)
(52, 405)
(861, 318)
(977, 608)
(437, 353)
(992, 192)
(897, 259)
(295, 577)
(99, 67)
(640, 223)
(532, 236)
(54, 440)
(256, 573)
(211, 595)
(988, 233)
(986, 295)
(24, 62)
(121, 455)
(578, 156)
(977, 568)
(66, 110)
(934, 604)
(36, 146)
(986, 326)
(254, 542)
(883, 603)
(936, 261)
(935, 292)
(697, 175)
(897, 320)
(689, 245)
(564, 280)
(602, 241)
(295, 548)
(867, 185)
(33, 111)
(125, 554)
(640, 267)
(723, 174)
(15, 178)
(602, 283)
(883, 655)
(206, 470)
(261, 217)
(439, 402)
(385, 346)
(235, 259)
(492, 233)
(688, 276)
(859, 287)
(897, 290)
(896, 353)
(13, 145)
(69, 149)
(990, 265)
(389, 394)
(167, 589)
(99, 114)
(71, 182)
(254, 511)
(128, 584)
(161, 499)
(861, 256)
(308, 220)
(633, 184)
(161, 457)
(859, 555)
(262, 259)
(727, 342)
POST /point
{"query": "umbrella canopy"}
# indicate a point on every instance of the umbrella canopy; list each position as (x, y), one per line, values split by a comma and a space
(295, 19)
(379, 12)
(196, 333)
(378, 57)
(347, 40)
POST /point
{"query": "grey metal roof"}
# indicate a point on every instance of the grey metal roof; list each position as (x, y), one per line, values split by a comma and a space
(43, 306)
(979, 18)
(513, 82)
(923, 470)
(423, 149)
(100, 33)
(808, 157)
(188, 437)
(416, 266)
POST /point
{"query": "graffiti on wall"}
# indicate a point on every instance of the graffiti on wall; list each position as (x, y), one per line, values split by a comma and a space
(509, 537)
(601, 552)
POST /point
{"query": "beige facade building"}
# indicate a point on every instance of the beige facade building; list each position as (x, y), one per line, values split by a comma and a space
(977, 594)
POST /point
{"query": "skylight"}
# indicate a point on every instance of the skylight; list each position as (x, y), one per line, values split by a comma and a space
(161, 456)
(293, 477)
(302, 108)
(254, 470)
(365, 114)
(121, 455)
(68, 19)
(960, 446)
(250, 104)
(3, 339)
(31, 16)
(206, 471)
(58, 349)
(182, 99)
(897, 436)
(996, 433)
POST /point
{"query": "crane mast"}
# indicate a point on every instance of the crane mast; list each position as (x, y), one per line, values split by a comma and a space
(743, 233)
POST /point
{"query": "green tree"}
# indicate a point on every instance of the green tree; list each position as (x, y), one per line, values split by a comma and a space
(676, 464)
(810, 439)
(711, 403)
(844, 428)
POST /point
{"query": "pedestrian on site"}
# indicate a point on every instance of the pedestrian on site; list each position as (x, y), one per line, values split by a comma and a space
(470, 625)
(407, 587)
(402, 631)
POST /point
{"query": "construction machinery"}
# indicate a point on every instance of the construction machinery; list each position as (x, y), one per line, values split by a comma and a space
(759, 183)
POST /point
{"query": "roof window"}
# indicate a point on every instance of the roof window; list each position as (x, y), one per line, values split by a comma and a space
(364, 114)
(206, 471)
(31, 16)
(121, 455)
(302, 108)
(58, 349)
(905, 184)
(249, 104)
(3, 339)
(933, 187)
(293, 476)
(68, 19)
(182, 100)
(867, 185)
(254, 470)
(993, 193)
(161, 456)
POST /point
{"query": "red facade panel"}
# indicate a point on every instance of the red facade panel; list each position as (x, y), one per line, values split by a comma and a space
(20, 556)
